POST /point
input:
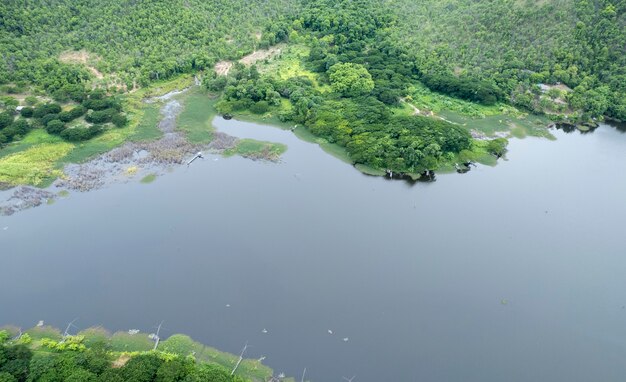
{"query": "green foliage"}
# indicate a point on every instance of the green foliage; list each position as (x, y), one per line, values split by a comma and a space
(195, 119)
(510, 46)
(55, 127)
(350, 80)
(7, 377)
(497, 146)
(137, 42)
(27, 112)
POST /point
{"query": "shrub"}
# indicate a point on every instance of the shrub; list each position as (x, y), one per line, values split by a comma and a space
(260, 107)
(21, 126)
(48, 117)
(55, 127)
(27, 112)
(119, 120)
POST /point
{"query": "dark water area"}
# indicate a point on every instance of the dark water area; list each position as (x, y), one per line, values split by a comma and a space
(510, 273)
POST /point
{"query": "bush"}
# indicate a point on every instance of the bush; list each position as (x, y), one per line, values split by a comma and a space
(6, 119)
(10, 132)
(55, 127)
(78, 111)
(101, 116)
(497, 146)
(42, 110)
(81, 133)
(27, 112)
(260, 107)
(119, 120)
(71, 115)
(21, 126)
(48, 117)
(31, 100)
(65, 116)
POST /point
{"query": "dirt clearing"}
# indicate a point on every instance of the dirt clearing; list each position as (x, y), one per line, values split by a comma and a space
(82, 57)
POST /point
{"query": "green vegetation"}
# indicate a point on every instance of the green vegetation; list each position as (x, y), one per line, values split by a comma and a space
(34, 165)
(351, 72)
(512, 46)
(148, 178)
(43, 354)
(123, 45)
(148, 129)
(250, 148)
(195, 119)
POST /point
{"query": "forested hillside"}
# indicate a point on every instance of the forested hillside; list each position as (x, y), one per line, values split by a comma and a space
(362, 67)
(516, 44)
(460, 47)
(138, 40)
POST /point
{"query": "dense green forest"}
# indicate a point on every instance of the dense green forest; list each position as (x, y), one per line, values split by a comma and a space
(139, 41)
(364, 59)
(512, 45)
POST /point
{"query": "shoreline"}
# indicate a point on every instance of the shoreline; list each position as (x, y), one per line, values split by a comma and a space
(134, 161)
(133, 342)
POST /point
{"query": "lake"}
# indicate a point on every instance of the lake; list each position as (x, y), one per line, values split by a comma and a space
(510, 273)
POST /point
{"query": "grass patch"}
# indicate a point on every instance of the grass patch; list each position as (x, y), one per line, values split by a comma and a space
(195, 119)
(250, 148)
(122, 341)
(290, 64)
(33, 138)
(425, 99)
(184, 346)
(148, 178)
(148, 127)
(35, 166)
(94, 336)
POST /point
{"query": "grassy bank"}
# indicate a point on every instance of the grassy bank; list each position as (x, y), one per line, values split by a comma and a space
(122, 346)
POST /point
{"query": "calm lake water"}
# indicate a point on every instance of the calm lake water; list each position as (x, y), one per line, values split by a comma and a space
(511, 273)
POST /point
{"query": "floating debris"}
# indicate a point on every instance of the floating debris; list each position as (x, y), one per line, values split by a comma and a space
(228, 305)
(261, 359)
(345, 339)
(132, 332)
(330, 331)
(40, 324)
(264, 331)
(5, 228)
(504, 301)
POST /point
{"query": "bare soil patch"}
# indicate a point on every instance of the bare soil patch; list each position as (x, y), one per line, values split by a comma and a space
(223, 67)
(82, 57)
(261, 55)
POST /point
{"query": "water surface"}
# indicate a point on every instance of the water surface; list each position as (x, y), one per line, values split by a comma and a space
(512, 273)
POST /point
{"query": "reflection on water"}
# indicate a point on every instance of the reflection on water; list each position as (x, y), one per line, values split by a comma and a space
(569, 128)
